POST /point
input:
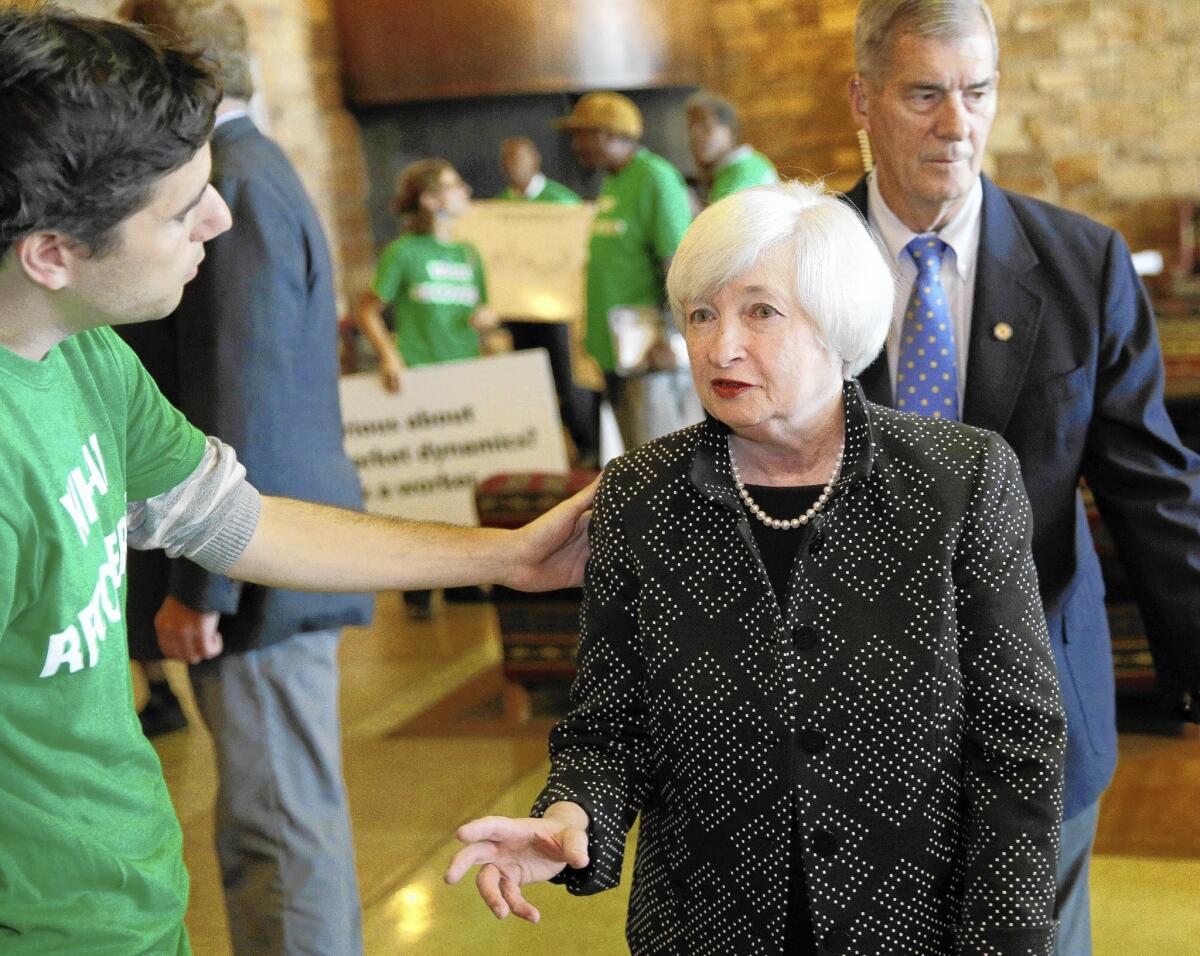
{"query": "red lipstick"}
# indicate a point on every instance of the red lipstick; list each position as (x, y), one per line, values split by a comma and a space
(729, 387)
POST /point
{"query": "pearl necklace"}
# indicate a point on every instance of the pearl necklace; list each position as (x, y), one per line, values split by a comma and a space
(784, 523)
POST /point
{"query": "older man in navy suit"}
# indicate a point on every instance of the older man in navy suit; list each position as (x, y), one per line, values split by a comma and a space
(1021, 317)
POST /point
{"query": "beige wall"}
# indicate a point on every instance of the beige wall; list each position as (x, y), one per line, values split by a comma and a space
(1099, 99)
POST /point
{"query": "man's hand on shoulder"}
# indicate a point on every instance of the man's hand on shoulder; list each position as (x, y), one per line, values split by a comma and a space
(552, 551)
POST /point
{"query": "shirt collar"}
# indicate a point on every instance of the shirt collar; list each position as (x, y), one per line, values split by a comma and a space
(961, 233)
(733, 156)
(229, 117)
(536, 184)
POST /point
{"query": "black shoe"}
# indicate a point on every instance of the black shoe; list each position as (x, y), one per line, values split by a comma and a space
(418, 606)
(163, 713)
(472, 594)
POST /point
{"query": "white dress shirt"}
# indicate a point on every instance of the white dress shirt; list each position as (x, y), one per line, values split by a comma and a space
(537, 182)
(961, 234)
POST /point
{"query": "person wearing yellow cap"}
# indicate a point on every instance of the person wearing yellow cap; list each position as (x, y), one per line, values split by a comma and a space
(642, 213)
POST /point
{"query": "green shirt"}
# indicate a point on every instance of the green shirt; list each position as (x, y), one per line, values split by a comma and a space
(747, 167)
(435, 288)
(550, 192)
(90, 849)
(641, 215)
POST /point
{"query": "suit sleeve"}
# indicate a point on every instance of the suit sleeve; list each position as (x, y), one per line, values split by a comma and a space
(1146, 483)
(598, 751)
(1014, 736)
(235, 351)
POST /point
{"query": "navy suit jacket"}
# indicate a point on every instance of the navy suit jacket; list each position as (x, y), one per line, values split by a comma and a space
(250, 356)
(1077, 391)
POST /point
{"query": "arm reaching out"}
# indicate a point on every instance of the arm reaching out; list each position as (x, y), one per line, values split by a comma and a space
(512, 852)
(312, 547)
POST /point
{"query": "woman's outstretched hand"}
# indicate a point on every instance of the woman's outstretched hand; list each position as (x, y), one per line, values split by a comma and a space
(512, 852)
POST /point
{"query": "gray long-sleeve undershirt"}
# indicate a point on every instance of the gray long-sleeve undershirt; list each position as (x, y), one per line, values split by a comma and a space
(209, 517)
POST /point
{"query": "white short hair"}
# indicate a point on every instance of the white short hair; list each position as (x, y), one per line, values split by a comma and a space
(841, 274)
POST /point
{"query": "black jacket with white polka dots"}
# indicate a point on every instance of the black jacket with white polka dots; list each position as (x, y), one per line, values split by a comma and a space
(901, 714)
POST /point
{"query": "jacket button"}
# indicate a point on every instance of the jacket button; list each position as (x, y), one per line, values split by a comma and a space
(813, 741)
(837, 941)
(805, 637)
(823, 843)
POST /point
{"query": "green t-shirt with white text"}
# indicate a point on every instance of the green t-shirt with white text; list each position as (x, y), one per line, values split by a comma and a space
(435, 288)
(642, 213)
(90, 850)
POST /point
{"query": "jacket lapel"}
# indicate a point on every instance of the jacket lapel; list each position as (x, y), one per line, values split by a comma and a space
(997, 357)
(1005, 317)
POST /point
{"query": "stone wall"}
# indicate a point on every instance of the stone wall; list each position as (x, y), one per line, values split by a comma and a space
(1099, 99)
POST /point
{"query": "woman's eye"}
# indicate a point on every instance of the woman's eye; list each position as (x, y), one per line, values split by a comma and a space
(763, 311)
(699, 315)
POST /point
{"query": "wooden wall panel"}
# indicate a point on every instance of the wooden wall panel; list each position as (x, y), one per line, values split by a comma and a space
(400, 50)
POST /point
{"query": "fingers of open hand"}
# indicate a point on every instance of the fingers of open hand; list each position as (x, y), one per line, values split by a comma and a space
(473, 854)
(487, 881)
(517, 902)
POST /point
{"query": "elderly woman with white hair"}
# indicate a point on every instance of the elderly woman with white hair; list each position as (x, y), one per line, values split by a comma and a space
(813, 656)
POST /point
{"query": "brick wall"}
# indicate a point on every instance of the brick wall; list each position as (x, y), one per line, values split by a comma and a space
(295, 43)
(1099, 103)
(1099, 99)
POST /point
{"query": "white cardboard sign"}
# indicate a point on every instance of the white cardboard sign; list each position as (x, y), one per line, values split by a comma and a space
(420, 454)
(534, 256)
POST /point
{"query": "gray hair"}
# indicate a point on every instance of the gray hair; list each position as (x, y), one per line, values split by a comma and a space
(720, 107)
(878, 22)
(841, 275)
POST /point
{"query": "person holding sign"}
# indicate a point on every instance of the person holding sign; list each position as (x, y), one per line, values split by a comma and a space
(435, 284)
(812, 657)
(102, 224)
(522, 165)
(437, 288)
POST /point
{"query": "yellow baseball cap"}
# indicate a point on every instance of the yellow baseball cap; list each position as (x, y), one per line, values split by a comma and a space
(611, 112)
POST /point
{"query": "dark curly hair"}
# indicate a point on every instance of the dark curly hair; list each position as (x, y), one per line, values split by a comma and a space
(94, 113)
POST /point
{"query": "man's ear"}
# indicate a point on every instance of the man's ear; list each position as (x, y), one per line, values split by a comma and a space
(859, 101)
(46, 257)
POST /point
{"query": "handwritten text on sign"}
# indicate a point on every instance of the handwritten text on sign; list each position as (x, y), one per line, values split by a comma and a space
(420, 454)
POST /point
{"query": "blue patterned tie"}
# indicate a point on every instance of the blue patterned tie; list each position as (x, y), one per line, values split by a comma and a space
(927, 375)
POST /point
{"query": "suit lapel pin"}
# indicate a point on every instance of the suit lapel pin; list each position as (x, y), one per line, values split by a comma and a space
(1002, 331)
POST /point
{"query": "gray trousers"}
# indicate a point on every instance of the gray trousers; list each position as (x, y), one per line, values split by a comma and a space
(283, 823)
(1073, 905)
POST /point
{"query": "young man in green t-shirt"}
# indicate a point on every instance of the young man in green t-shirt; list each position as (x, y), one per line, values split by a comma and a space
(722, 159)
(102, 224)
(642, 213)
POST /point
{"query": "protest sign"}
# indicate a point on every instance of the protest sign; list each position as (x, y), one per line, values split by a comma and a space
(534, 256)
(420, 453)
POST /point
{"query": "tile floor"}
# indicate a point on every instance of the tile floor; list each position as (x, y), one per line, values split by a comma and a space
(412, 781)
